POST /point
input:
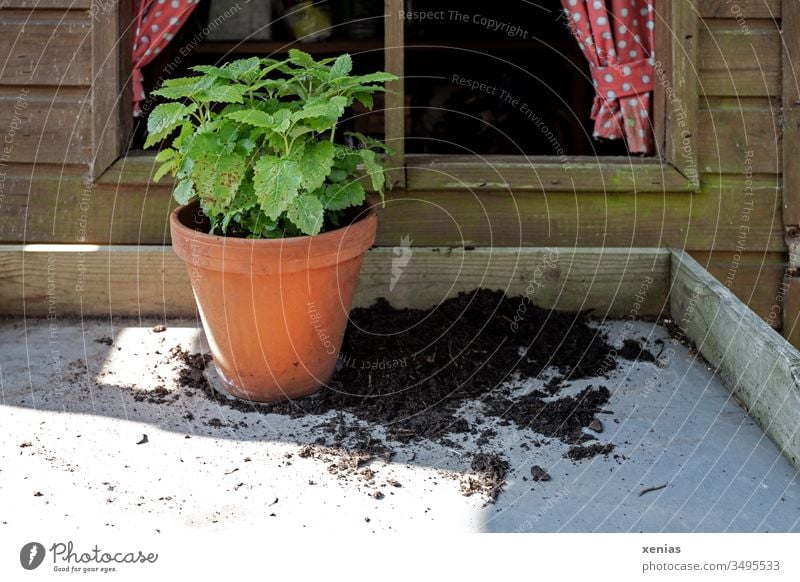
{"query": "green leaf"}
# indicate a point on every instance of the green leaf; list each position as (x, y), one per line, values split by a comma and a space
(164, 119)
(341, 67)
(365, 99)
(306, 212)
(379, 77)
(222, 94)
(332, 109)
(282, 119)
(300, 58)
(183, 87)
(316, 164)
(184, 191)
(252, 117)
(217, 179)
(276, 182)
(165, 155)
(340, 196)
(245, 198)
(165, 168)
(374, 169)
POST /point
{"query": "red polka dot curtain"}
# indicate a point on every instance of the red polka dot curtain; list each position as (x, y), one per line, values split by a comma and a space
(616, 37)
(155, 24)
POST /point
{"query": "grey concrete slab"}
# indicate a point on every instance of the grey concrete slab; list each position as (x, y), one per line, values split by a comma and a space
(70, 421)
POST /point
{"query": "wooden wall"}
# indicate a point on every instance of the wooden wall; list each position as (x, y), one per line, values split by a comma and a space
(733, 224)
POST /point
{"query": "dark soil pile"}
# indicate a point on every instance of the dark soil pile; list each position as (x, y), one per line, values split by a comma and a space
(411, 372)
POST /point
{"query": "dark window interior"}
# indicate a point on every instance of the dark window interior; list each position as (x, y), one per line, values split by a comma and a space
(488, 78)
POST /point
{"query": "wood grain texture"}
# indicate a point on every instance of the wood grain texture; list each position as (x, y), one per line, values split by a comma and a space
(759, 366)
(755, 278)
(735, 62)
(542, 174)
(731, 129)
(394, 62)
(791, 113)
(708, 220)
(791, 309)
(125, 280)
(749, 9)
(51, 48)
(107, 94)
(51, 125)
(680, 75)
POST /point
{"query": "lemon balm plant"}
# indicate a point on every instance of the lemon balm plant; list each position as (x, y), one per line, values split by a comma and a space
(257, 145)
(273, 224)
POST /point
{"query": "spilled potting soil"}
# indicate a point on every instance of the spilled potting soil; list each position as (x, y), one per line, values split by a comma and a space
(416, 373)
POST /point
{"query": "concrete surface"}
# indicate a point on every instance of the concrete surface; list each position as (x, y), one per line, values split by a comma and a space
(70, 423)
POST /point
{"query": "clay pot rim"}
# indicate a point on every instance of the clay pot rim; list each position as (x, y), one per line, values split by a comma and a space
(369, 212)
(278, 255)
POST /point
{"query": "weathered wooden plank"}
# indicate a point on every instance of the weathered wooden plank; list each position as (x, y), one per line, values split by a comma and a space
(46, 125)
(710, 219)
(755, 278)
(734, 62)
(738, 138)
(613, 282)
(125, 280)
(45, 48)
(791, 114)
(59, 280)
(107, 75)
(759, 366)
(680, 80)
(504, 173)
(394, 62)
(742, 10)
(789, 299)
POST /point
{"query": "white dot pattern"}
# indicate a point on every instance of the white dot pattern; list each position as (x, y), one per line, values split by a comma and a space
(617, 38)
(157, 21)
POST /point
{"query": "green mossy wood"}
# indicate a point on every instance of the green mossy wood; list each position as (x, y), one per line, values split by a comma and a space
(256, 143)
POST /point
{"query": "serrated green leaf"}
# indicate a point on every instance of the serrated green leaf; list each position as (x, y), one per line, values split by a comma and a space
(300, 58)
(378, 77)
(282, 118)
(245, 198)
(222, 94)
(252, 117)
(341, 196)
(306, 212)
(164, 119)
(316, 163)
(365, 99)
(184, 191)
(202, 144)
(217, 178)
(276, 182)
(374, 168)
(332, 109)
(341, 67)
(183, 87)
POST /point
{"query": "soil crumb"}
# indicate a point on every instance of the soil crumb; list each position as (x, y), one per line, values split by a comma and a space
(490, 476)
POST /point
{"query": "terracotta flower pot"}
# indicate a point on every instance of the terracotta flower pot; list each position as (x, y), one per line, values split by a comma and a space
(274, 311)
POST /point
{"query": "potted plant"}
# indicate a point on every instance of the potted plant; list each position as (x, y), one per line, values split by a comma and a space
(273, 223)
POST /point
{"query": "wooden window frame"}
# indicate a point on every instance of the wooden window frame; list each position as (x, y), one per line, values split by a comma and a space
(674, 168)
